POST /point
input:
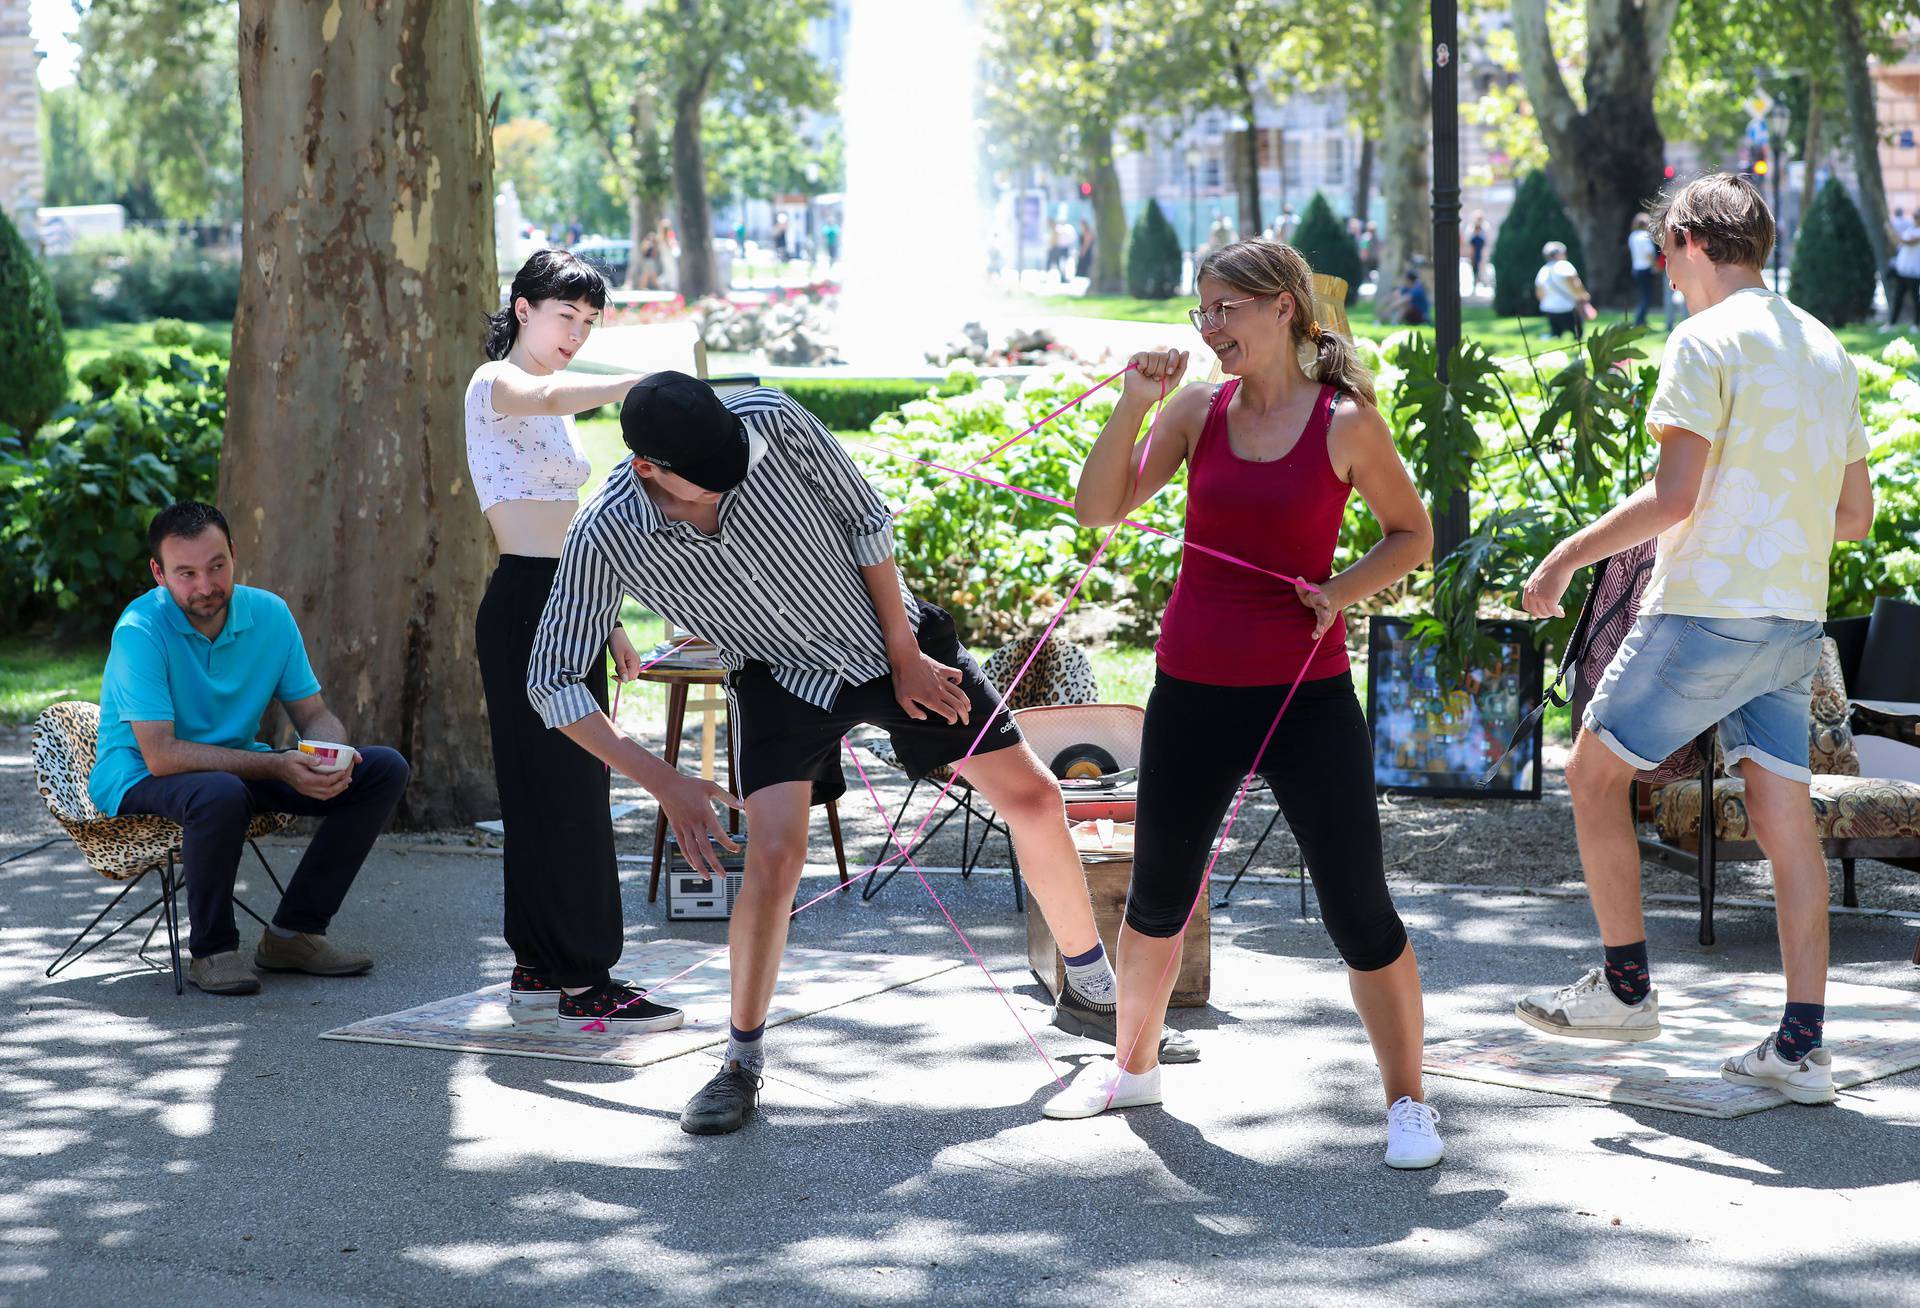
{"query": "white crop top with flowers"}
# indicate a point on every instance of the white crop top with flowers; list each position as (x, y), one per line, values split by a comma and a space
(519, 458)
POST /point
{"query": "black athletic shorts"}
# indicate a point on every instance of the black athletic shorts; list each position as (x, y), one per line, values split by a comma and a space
(783, 738)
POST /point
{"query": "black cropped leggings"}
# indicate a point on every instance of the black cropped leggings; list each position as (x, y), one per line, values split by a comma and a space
(1197, 746)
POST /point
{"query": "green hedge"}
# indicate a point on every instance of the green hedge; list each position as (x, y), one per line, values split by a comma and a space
(138, 275)
(852, 403)
(1327, 244)
(1537, 217)
(1833, 269)
(31, 340)
(1153, 256)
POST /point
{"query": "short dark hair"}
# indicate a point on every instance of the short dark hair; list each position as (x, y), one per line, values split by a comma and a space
(546, 275)
(1723, 213)
(186, 520)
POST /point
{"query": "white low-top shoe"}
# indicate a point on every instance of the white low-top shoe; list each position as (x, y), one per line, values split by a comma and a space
(1809, 1081)
(1413, 1141)
(1589, 1010)
(1101, 1085)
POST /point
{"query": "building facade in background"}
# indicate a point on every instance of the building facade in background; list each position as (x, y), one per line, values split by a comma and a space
(21, 180)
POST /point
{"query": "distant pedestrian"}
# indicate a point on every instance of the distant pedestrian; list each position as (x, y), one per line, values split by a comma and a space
(1370, 251)
(830, 237)
(1066, 239)
(1415, 307)
(1557, 286)
(1083, 259)
(1903, 280)
(1477, 245)
(1640, 249)
(1221, 235)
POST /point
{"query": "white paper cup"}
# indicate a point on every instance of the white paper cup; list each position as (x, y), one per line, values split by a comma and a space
(331, 757)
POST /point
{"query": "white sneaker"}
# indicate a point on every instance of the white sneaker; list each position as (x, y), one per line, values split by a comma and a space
(1101, 1085)
(1412, 1141)
(1809, 1081)
(1589, 1010)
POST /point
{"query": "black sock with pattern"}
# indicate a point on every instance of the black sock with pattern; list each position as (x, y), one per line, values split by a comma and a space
(1627, 972)
(1802, 1027)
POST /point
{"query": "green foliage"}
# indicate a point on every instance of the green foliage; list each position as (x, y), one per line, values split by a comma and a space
(1602, 403)
(142, 274)
(31, 340)
(1537, 217)
(77, 501)
(1435, 420)
(1833, 270)
(1153, 256)
(1327, 244)
(852, 403)
(999, 561)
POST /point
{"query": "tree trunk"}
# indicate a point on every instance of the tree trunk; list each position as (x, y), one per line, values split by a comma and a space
(1363, 180)
(643, 195)
(1250, 223)
(692, 213)
(1404, 174)
(1109, 212)
(367, 265)
(1608, 161)
(1863, 124)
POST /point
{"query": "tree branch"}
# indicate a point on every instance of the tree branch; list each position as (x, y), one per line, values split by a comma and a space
(1553, 106)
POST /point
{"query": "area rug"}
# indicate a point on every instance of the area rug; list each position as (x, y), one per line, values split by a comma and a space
(811, 981)
(1873, 1031)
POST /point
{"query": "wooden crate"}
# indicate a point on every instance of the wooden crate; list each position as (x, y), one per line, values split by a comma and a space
(1107, 879)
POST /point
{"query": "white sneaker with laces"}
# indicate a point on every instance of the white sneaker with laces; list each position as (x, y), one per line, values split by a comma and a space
(1412, 1141)
(1589, 1010)
(1809, 1081)
(1101, 1085)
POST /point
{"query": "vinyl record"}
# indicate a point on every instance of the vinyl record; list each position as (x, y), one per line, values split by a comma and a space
(1082, 762)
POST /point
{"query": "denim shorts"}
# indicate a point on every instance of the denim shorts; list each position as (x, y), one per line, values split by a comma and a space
(1677, 675)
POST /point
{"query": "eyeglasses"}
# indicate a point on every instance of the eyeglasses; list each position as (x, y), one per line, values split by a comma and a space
(1208, 319)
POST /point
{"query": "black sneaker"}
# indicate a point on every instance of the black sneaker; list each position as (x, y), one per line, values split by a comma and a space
(724, 1104)
(614, 1008)
(1077, 1015)
(531, 997)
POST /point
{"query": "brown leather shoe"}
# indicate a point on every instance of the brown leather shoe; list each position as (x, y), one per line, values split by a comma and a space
(314, 955)
(223, 974)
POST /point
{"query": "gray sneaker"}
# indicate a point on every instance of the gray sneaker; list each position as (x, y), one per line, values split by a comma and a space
(1077, 1015)
(314, 955)
(223, 974)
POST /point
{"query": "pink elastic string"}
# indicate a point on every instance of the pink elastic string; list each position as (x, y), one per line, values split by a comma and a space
(971, 951)
(953, 774)
(1017, 437)
(619, 683)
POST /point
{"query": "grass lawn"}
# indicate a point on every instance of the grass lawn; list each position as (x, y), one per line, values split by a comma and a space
(34, 674)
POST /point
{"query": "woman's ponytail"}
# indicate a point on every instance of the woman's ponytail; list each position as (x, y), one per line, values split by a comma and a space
(1337, 364)
(502, 329)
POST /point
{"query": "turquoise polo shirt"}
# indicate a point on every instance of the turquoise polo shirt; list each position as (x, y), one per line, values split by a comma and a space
(215, 692)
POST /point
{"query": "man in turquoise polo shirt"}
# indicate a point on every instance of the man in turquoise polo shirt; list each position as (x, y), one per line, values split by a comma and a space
(194, 664)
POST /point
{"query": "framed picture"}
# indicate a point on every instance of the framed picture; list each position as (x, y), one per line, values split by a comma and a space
(1439, 739)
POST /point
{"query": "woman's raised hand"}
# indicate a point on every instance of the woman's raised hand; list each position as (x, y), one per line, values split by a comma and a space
(1154, 373)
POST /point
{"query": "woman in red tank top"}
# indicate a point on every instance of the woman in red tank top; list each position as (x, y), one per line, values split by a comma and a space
(1272, 457)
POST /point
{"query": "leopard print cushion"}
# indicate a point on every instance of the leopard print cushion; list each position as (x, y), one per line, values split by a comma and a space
(1844, 808)
(66, 738)
(1061, 674)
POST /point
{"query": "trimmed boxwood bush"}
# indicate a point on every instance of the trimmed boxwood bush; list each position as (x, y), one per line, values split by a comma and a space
(138, 275)
(31, 340)
(852, 403)
(1327, 244)
(1153, 256)
(1537, 217)
(1833, 269)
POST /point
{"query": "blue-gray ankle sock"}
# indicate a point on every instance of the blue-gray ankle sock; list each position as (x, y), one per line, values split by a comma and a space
(1091, 975)
(1802, 1027)
(746, 1048)
(1627, 972)
(281, 931)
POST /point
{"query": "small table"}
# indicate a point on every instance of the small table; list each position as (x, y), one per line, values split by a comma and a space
(678, 680)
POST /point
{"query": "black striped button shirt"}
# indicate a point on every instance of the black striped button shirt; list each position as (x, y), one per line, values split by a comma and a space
(779, 583)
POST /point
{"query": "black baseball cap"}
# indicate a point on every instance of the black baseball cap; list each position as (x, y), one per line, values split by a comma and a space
(677, 422)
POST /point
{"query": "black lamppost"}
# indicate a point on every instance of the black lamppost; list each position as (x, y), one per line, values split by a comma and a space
(1779, 118)
(1193, 204)
(1452, 518)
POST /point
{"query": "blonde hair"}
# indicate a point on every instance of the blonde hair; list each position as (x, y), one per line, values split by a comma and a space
(1264, 267)
(1723, 214)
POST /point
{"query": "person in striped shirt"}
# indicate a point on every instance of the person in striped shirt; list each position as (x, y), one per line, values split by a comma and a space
(745, 521)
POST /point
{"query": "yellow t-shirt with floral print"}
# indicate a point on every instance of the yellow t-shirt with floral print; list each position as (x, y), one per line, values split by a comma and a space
(1778, 398)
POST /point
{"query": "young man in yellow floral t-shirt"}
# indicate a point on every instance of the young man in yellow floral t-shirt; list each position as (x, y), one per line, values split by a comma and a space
(1762, 467)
